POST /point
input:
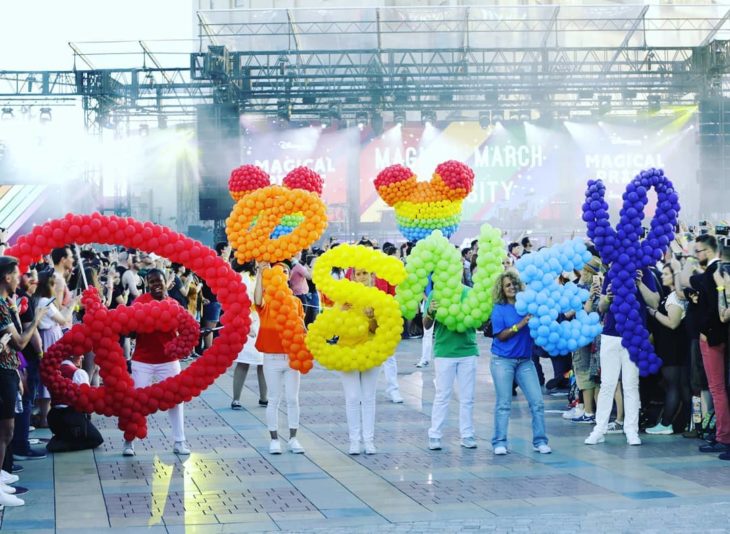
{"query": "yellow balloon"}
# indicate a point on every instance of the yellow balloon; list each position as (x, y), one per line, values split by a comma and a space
(341, 339)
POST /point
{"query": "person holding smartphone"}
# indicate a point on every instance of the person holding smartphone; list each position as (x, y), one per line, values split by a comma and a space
(9, 362)
(51, 327)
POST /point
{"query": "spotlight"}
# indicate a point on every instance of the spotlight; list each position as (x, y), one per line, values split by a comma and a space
(428, 117)
(399, 117)
(361, 118)
(144, 130)
(604, 104)
(7, 114)
(283, 110)
(376, 121)
(45, 115)
(654, 102)
(484, 119)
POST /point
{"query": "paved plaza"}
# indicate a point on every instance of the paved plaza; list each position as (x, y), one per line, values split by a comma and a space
(231, 484)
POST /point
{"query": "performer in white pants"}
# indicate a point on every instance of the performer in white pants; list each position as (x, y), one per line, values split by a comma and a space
(360, 386)
(150, 364)
(277, 371)
(392, 389)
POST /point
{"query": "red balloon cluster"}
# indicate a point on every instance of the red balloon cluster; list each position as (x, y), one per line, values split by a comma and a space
(245, 179)
(101, 328)
(457, 177)
(304, 178)
(395, 183)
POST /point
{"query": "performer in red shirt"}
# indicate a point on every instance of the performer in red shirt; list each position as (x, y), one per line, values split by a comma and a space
(151, 364)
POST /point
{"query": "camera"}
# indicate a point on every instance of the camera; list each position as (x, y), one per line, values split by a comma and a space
(721, 229)
(703, 223)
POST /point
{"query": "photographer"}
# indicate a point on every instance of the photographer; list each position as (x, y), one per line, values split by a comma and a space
(299, 279)
(713, 337)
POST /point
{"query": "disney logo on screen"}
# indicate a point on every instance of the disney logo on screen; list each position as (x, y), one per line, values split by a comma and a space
(288, 145)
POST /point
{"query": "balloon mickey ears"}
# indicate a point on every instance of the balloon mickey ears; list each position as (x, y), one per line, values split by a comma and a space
(421, 207)
(248, 178)
(245, 179)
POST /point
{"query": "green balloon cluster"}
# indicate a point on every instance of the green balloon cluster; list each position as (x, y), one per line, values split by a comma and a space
(436, 255)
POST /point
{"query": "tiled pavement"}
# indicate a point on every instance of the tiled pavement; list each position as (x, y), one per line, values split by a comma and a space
(231, 484)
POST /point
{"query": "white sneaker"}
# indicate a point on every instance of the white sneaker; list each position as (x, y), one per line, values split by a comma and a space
(354, 448)
(370, 448)
(633, 439)
(434, 444)
(295, 446)
(181, 448)
(7, 489)
(10, 500)
(500, 450)
(422, 364)
(128, 449)
(594, 438)
(543, 448)
(8, 478)
(395, 398)
(275, 447)
(575, 411)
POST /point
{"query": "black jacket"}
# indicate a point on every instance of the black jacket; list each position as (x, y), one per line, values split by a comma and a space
(707, 314)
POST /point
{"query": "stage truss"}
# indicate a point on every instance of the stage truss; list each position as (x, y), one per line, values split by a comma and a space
(353, 63)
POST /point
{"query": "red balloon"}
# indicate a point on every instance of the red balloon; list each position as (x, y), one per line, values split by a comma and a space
(101, 328)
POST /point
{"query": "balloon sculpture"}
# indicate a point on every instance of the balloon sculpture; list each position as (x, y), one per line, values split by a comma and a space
(352, 324)
(422, 207)
(545, 298)
(101, 328)
(626, 254)
(255, 233)
(436, 255)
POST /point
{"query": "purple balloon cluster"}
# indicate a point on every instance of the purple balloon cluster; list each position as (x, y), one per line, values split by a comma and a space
(625, 252)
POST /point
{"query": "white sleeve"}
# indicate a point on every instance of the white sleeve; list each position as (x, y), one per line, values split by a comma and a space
(673, 300)
(81, 377)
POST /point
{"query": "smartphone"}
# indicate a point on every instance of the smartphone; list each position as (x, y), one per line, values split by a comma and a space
(678, 256)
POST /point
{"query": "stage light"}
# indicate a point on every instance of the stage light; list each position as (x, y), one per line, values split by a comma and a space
(45, 115)
(604, 104)
(654, 102)
(361, 118)
(428, 117)
(7, 114)
(376, 122)
(399, 117)
(485, 119)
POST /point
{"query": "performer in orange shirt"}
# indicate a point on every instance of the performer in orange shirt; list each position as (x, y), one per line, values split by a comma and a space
(276, 367)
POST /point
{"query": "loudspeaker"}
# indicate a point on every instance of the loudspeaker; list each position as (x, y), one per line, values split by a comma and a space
(219, 148)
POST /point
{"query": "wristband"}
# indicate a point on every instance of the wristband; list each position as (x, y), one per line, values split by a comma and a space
(721, 288)
(514, 328)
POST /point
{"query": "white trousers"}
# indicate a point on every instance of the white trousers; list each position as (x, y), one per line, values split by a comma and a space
(464, 370)
(145, 374)
(390, 370)
(427, 344)
(278, 373)
(615, 362)
(360, 388)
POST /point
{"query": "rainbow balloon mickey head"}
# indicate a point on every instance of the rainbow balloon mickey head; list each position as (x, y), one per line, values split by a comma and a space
(422, 207)
(248, 178)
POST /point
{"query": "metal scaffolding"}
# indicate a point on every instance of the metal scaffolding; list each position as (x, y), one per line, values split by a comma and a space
(307, 63)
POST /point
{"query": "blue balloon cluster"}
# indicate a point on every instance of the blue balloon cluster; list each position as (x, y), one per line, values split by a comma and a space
(546, 299)
(281, 230)
(625, 252)
(416, 233)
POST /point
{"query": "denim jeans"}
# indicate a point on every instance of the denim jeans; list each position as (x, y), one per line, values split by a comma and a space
(504, 371)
